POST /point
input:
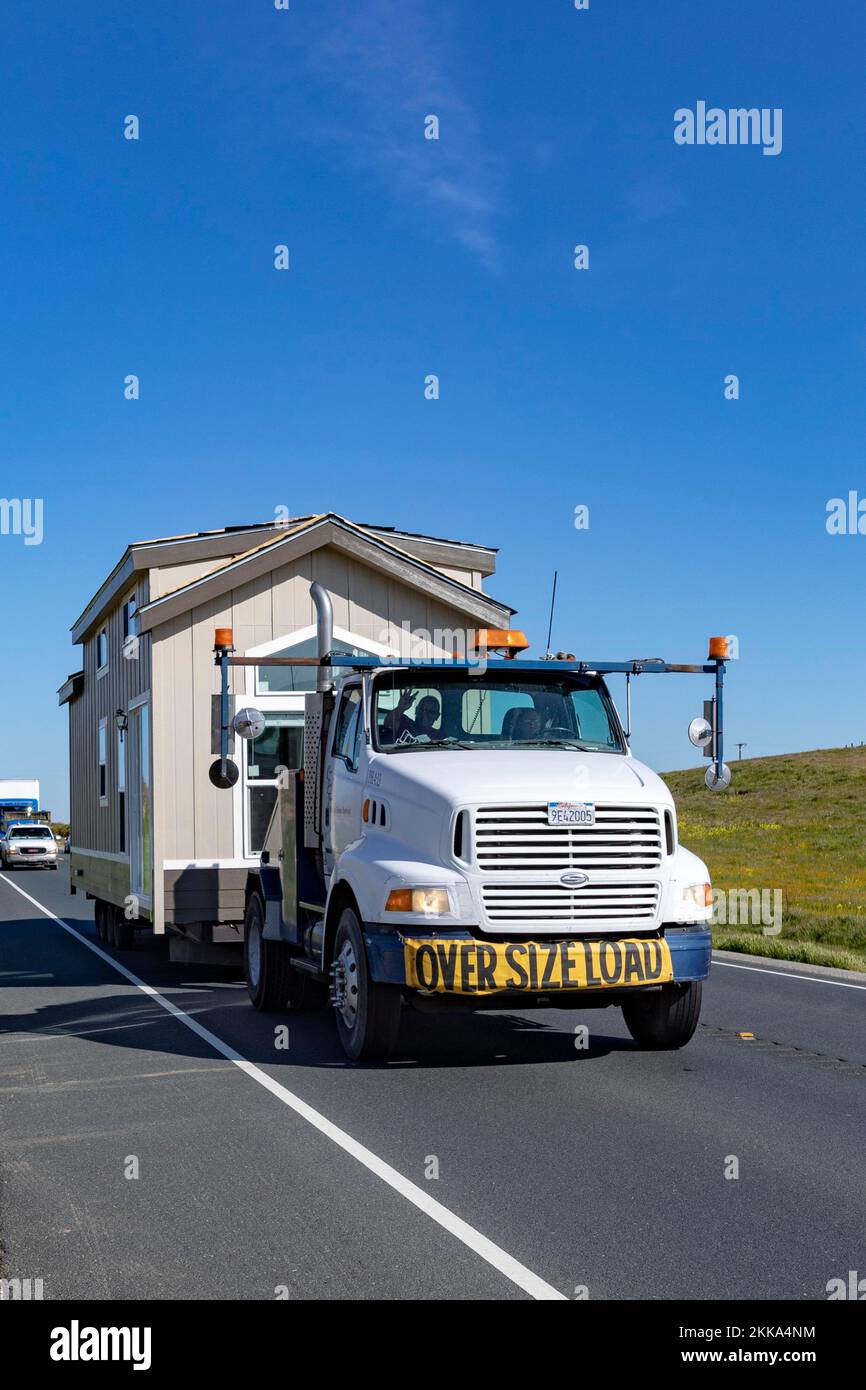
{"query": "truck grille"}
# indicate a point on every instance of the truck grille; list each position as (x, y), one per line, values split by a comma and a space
(510, 838)
(600, 903)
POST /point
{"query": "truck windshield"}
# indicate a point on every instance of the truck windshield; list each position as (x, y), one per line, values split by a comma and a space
(431, 708)
(30, 832)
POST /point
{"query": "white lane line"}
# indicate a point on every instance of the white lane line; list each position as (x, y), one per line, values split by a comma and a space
(486, 1249)
(787, 974)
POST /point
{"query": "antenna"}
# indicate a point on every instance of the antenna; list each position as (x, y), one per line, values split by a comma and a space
(552, 606)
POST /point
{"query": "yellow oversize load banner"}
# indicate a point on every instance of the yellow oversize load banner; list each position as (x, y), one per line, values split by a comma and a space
(485, 967)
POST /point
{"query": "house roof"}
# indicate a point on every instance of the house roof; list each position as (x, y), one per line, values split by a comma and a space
(71, 688)
(299, 538)
(141, 556)
(297, 520)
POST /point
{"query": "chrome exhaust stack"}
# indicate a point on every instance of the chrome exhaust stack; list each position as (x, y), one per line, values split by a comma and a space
(324, 634)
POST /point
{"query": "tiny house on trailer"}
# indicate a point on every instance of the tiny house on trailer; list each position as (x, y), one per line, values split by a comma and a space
(153, 841)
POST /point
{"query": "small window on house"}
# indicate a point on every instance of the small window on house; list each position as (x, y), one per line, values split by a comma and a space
(102, 650)
(103, 777)
(129, 611)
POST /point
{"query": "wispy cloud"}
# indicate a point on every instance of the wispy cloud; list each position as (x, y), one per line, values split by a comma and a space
(397, 62)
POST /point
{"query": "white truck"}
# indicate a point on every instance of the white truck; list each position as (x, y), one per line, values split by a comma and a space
(473, 834)
(19, 805)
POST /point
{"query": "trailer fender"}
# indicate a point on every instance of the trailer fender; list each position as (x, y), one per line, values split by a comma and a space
(266, 882)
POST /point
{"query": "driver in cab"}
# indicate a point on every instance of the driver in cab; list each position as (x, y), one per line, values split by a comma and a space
(400, 728)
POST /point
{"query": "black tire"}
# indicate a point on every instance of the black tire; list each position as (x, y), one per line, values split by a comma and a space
(99, 919)
(267, 964)
(52, 866)
(124, 931)
(369, 1019)
(666, 1019)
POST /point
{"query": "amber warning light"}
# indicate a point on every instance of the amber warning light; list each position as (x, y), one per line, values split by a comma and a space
(223, 639)
(505, 640)
(718, 649)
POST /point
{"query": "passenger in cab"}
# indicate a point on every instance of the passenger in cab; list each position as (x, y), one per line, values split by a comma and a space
(527, 726)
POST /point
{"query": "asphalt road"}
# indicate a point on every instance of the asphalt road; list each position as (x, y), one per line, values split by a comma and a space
(601, 1169)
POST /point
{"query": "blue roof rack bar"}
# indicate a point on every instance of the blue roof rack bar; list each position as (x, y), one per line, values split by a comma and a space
(384, 663)
(514, 665)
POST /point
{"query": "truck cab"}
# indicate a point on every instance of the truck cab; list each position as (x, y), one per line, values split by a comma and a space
(476, 834)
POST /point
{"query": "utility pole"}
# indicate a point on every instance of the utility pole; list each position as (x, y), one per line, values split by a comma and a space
(740, 747)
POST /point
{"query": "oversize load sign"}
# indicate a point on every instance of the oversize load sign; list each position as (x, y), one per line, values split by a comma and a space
(484, 967)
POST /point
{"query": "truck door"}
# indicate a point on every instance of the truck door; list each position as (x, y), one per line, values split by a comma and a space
(345, 777)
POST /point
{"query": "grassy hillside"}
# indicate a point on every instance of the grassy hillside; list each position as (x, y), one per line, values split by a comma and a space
(797, 823)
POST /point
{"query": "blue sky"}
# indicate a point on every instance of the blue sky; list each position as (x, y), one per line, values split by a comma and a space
(558, 387)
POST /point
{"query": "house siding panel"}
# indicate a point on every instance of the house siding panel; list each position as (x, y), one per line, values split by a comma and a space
(94, 826)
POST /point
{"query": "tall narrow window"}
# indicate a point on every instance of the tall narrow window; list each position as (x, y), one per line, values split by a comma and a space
(121, 791)
(102, 650)
(129, 611)
(140, 817)
(103, 778)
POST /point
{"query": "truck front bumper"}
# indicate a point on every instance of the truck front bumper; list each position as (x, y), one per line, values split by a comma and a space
(455, 961)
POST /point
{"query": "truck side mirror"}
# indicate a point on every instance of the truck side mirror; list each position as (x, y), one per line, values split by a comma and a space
(718, 781)
(249, 723)
(700, 733)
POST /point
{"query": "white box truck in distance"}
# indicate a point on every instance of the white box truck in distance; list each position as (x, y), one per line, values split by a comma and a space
(473, 834)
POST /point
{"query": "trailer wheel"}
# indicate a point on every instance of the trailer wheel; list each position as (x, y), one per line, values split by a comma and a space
(99, 919)
(124, 931)
(665, 1020)
(367, 1013)
(267, 964)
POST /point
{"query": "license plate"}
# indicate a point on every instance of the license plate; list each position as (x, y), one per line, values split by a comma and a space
(488, 967)
(570, 813)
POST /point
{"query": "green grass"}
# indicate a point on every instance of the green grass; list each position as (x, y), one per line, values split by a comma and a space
(797, 823)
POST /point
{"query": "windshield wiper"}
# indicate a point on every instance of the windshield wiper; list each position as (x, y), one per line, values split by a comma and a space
(554, 743)
(438, 743)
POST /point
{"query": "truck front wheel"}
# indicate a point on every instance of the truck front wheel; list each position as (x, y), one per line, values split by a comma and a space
(367, 1013)
(665, 1019)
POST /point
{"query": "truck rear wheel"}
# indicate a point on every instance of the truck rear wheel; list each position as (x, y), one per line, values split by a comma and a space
(99, 918)
(271, 981)
(367, 1013)
(665, 1019)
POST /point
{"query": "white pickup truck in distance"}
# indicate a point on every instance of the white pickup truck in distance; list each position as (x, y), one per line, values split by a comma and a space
(28, 847)
(475, 836)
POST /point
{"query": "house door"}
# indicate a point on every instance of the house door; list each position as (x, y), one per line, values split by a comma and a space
(140, 804)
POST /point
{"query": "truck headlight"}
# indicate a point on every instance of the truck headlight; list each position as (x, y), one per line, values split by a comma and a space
(698, 895)
(430, 902)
